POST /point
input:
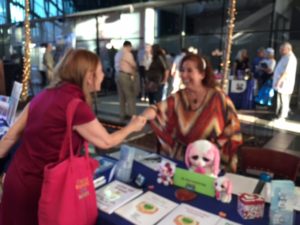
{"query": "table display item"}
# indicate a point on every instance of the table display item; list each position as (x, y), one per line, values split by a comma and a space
(223, 187)
(4, 106)
(223, 221)
(98, 182)
(114, 195)
(166, 172)
(197, 182)
(147, 209)
(186, 214)
(140, 180)
(251, 206)
(282, 201)
(124, 165)
(203, 157)
(185, 195)
(263, 179)
(105, 163)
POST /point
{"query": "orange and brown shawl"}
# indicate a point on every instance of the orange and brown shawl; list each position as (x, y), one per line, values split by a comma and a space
(176, 125)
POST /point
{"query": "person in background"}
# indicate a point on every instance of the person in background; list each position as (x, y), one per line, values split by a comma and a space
(241, 64)
(199, 111)
(157, 75)
(266, 66)
(169, 61)
(126, 81)
(265, 94)
(260, 55)
(144, 60)
(48, 62)
(41, 128)
(175, 73)
(284, 80)
(42, 67)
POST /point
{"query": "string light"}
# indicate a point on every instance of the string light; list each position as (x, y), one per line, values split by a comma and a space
(26, 59)
(228, 44)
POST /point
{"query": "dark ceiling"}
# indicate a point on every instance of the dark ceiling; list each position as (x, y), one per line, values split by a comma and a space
(82, 5)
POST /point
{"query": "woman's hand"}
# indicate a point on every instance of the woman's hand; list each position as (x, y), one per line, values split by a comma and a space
(137, 123)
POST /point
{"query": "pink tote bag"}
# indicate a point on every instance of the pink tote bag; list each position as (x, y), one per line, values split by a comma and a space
(68, 195)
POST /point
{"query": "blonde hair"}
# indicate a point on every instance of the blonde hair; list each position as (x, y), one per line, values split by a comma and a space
(73, 67)
(241, 53)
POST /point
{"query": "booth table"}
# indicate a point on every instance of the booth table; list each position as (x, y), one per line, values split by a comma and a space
(202, 202)
(241, 93)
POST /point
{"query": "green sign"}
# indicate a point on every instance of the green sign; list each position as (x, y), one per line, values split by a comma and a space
(195, 182)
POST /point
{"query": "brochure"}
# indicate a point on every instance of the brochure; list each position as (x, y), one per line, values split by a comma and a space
(4, 105)
(223, 221)
(114, 195)
(186, 214)
(147, 209)
(13, 102)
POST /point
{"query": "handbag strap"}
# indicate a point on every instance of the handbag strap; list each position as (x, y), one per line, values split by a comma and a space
(67, 144)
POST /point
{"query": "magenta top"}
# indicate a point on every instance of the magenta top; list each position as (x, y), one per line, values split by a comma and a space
(40, 144)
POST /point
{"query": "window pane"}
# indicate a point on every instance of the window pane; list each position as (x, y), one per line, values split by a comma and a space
(2, 12)
(17, 13)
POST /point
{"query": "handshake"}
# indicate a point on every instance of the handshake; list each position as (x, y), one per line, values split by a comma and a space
(137, 123)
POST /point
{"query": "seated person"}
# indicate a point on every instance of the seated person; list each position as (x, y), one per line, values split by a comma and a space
(199, 111)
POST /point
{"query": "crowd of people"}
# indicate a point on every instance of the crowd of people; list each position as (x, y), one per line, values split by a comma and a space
(152, 74)
(273, 83)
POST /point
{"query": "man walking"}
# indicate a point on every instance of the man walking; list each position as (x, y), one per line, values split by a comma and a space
(126, 81)
(284, 79)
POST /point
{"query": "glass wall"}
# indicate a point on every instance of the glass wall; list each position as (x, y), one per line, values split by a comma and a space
(201, 24)
(3, 12)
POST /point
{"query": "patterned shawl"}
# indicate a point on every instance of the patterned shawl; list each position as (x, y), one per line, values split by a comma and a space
(176, 125)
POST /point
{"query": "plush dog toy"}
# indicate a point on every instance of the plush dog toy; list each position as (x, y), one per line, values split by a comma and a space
(223, 188)
(203, 157)
(166, 172)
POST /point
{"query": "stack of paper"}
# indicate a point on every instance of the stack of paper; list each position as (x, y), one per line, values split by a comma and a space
(147, 209)
(114, 195)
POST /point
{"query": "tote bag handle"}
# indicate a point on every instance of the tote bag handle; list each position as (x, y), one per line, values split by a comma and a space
(67, 142)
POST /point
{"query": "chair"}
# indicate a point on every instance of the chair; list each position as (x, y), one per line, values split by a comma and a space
(281, 165)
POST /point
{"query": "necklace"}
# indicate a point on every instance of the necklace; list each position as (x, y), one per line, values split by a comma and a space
(196, 102)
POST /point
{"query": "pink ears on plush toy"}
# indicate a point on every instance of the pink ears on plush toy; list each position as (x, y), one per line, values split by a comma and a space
(187, 154)
(228, 184)
(216, 159)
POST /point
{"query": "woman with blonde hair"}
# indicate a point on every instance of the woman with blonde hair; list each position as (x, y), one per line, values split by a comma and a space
(41, 128)
(241, 64)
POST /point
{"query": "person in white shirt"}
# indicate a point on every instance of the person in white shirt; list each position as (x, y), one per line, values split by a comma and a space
(126, 69)
(284, 79)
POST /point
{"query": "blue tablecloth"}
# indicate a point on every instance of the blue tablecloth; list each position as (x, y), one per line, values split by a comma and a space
(203, 202)
(242, 99)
